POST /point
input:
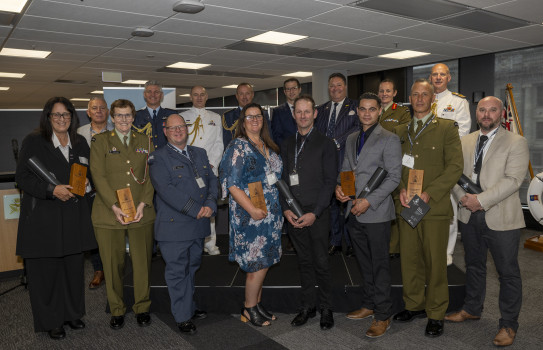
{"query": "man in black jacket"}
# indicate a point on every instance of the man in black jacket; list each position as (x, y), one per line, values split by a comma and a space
(310, 170)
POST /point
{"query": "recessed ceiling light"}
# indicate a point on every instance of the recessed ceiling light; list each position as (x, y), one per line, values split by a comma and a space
(233, 86)
(184, 95)
(24, 53)
(188, 65)
(12, 5)
(276, 38)
(4, 88)
(136, 82)
(11, 75)
(405, 54)
(97, 92)
(298, 74)
(80, 99)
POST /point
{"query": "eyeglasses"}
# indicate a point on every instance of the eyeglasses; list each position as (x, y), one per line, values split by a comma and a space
(257, 117)
(123, 116)
(291, 89)
(177, 127)
(65, 115)
(95, 108)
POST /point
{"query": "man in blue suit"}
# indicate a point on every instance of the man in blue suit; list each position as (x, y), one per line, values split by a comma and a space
(283, 124)
(151, 119)
(337, 119)
(244, 95)
(186, 198)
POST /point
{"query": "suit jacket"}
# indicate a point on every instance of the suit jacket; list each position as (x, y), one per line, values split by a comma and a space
(145, 124)
(346, 122)
(230, 118)
(179, 198)
(381, 149)
(502, 173)
(49, 227)
(438, 152)
(283, 123)
(395, 115)
(111, 164)
(316, 170)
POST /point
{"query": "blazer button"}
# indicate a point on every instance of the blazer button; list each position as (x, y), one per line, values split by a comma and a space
(179, 176)
(201, 196)
(128, 162)
(416, 143)
(416, 155)
(171, 220)
(128, 185)
(128, 173)
(433, 147)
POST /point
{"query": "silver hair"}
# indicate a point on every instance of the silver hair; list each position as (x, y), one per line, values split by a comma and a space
(153, 82)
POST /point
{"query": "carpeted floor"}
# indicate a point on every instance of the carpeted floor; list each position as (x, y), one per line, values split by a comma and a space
(220, 331)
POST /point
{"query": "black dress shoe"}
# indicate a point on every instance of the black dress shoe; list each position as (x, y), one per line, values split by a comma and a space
(327, 319)
(334, 249)
(57, 333)
(394, 255)
(349, 252)
(434, 328)
(187, 327)
(116, 322)
(76, 324)
(199, 315)
(144, 319)
(303, 316)
(408, 316)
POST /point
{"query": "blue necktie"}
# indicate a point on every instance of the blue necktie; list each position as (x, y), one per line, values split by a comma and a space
(361, 143)
(332, 123)
(154, 114)
(183, 152)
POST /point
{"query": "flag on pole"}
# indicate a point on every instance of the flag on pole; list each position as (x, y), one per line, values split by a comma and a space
(509, 122)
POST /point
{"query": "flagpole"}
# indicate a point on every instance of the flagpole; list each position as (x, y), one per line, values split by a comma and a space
(509, 89)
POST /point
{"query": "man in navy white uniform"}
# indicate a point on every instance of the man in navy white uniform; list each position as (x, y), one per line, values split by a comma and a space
(186, 197)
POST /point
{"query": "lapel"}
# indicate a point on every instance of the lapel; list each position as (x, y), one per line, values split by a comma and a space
(178, 156)
(471, 145)
(115, 142)
(55, 151)
(343, 111)
(386, 114)
(368, 145)
(430, 127)
(494, 145)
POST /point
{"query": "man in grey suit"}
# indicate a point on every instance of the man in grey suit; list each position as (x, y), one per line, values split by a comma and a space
(496, 160)
(369, 218)
(186, 197)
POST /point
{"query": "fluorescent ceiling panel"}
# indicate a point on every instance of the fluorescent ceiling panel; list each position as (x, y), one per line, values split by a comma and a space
(12, 5)
(276, 38)
(405, 54)
(233, 86)
(11, 75)
(4, 88)
(80, 99)
(135, 82)
(101, 92)
(298, 74)
(188, 65)
(24, 53)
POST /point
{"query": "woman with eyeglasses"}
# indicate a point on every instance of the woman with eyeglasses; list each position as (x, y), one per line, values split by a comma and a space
(119, 161)
(255, 233)
(54, 226)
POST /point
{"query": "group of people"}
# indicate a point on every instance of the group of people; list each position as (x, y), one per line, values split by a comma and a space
(175, 163)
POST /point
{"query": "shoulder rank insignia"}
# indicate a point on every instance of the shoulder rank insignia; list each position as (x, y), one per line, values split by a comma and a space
(457, 94)
(456, 124)
(93, 139)
(394, 106)
(112, 133)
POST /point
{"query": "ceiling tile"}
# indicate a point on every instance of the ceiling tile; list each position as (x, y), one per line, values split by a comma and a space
(161, 48)
(204, 29)
(154, 8)
(532, 34)
(529, 10)
(190, 40)
(359, 49)
(393, 42)
(491, 43)
(287, 8)
(435, 32)
(326, 31)
(55, 47)
(68, 38)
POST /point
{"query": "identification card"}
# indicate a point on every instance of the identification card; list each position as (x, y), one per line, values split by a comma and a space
(294, 180)
(408, 161)
(272, 179)
(200, 182)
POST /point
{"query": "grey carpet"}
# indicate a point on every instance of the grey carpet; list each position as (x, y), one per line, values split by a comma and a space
(221, 331)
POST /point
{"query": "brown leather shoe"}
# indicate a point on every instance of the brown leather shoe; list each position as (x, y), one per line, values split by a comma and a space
(378, 328)
(505, 337)
(461, 316)
(360, 314)
(97, 280)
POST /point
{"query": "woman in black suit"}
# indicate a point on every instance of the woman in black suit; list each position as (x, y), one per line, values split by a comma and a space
(54, 227)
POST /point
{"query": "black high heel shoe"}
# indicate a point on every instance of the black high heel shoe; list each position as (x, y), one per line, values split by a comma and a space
(255, 317)
(265, 313)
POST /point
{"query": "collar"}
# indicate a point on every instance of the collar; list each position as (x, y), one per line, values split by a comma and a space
(491, 133)
(186, 149)
(443, 94)
(424, 119)
(151, 110)
(198, 110)
(56, 142)
(385, 108)
(369, 131)
(290, 106)
(339, 104)
(121, 136)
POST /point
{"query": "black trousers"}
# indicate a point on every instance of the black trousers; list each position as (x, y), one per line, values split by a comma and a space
(478, 239)
(311, 245)
(371, 242)
(56, 288)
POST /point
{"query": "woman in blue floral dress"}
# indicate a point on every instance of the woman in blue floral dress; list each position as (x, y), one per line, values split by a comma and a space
(255, 234)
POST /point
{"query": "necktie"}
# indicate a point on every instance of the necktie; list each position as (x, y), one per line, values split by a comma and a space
(125, 141)
(361, 143)
(419, 125)
(183, 152)
(154, 114)
(479, 156)
(332, 123)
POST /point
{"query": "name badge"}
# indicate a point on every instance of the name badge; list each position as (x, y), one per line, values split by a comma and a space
(272, 179)
(294, 180)
(408, 161)
(200, 182)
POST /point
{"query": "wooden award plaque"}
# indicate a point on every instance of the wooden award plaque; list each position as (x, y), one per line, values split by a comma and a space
(347, 183)
(257, 195)
(414, 184)
(126, 203)
(78, 177)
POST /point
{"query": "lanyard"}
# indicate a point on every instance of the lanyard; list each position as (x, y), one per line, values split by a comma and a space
(296, 151)
(479, 151)
(186, 156)
(418, 133)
